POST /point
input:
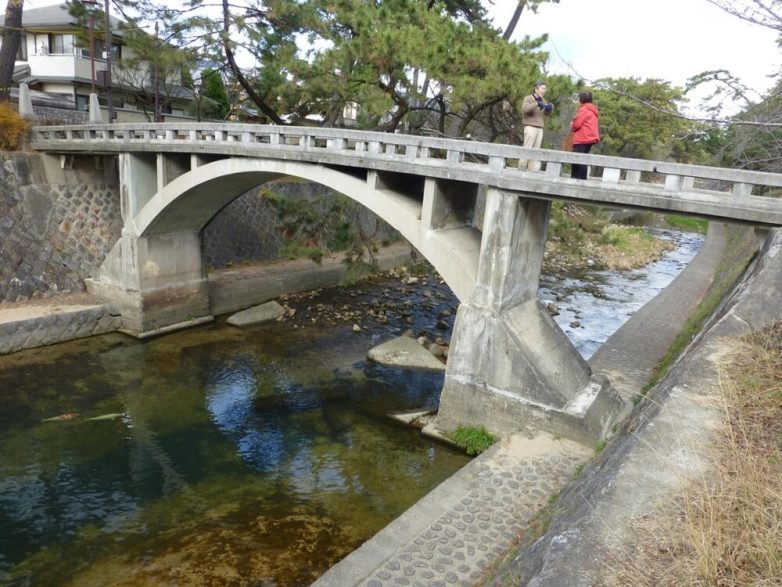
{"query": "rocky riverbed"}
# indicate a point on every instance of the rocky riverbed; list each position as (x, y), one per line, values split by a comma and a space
(414, 301)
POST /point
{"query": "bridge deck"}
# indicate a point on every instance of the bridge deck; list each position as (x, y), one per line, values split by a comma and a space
(709, 192)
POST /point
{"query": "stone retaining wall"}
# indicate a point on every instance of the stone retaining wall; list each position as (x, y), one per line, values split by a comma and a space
(51, 236)
(249, 230)
(59, 325)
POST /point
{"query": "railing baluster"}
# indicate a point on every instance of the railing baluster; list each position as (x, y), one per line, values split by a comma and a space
(633, 176)
(553, 169)
(742, 190)
(497, 163)
(611, 175)
(673, 183)
(335, 144)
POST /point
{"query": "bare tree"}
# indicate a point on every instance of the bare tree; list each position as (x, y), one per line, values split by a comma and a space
(767, 13)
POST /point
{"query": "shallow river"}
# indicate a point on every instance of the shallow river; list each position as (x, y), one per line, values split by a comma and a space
(225, 456)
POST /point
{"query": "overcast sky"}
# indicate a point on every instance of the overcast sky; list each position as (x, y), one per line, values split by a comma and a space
(665, 39)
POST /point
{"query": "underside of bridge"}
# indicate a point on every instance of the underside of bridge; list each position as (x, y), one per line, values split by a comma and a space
(510, 367)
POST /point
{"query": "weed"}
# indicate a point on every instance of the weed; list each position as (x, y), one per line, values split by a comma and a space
(473, 439)
(687, 223)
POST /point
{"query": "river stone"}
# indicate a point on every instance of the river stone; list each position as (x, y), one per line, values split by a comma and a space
(263, 313)
(405, 352)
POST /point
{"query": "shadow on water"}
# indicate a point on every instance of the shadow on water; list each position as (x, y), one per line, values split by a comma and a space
(229, 456)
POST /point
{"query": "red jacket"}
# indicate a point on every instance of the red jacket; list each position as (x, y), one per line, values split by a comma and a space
(585, 126)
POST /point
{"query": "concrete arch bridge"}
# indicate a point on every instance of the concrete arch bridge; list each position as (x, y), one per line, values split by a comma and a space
(464, 205)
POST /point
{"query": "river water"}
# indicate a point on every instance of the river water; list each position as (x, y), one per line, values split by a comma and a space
(225, 456)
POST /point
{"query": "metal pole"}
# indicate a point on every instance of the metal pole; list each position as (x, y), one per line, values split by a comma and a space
(92, 49)
(107, 26)
(157, 77)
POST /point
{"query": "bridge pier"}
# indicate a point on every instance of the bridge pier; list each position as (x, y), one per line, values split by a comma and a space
(510, 367)
(159, 281)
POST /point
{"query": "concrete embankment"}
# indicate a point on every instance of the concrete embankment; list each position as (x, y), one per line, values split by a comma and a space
(659, 451)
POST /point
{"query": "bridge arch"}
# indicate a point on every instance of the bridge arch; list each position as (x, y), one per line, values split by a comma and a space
(189, 202)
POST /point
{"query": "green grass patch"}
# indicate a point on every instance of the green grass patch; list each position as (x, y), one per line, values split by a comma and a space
(625, 237)
(473, 439)
(687, 223)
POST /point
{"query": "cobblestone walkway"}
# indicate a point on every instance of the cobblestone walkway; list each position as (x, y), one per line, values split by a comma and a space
(468, 522)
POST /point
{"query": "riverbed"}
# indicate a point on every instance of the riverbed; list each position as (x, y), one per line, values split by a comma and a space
(234, 456)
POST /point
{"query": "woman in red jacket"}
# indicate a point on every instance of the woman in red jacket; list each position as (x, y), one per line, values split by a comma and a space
(586, 132)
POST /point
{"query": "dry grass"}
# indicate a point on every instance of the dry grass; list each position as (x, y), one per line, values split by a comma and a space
(727, 528)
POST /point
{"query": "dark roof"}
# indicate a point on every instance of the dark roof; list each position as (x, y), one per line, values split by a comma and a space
(54, 17)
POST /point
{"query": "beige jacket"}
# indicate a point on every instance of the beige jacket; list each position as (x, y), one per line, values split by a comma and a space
(531, 115)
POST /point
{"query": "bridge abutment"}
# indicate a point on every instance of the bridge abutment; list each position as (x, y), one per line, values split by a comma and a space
(510, 366)
(159, 282)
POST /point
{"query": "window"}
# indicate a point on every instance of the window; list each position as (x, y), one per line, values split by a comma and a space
(100, 51)
(21, 54)
(60, 44)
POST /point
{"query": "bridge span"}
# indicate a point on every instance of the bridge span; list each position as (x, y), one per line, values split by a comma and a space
(464, 205)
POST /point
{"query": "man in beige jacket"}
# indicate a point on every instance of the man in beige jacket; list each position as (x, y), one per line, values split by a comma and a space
(532, 110)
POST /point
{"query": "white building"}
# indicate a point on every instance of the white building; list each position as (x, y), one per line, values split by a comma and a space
(50, 62)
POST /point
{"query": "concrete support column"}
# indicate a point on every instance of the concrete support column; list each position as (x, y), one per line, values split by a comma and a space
(138, 180)
(514, 240)
(448, 204)
(159, 282)
(510, 367)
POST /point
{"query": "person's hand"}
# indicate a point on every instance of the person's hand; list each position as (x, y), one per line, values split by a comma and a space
(549, 108)
(541, 104)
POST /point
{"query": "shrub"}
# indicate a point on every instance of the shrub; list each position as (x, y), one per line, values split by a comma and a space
(12, 127)
(474, 440)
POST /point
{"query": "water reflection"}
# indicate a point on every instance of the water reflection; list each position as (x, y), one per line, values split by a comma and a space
(261, 453)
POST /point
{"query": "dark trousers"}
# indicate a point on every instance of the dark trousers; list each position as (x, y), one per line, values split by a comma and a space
(580, 171)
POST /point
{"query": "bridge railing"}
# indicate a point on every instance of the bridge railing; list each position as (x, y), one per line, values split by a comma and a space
(401, 152)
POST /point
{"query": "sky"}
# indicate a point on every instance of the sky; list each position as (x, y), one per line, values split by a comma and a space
(670, 40)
